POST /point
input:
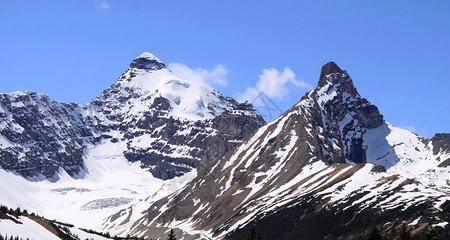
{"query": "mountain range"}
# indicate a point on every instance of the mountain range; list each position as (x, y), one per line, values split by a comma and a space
(155, 152)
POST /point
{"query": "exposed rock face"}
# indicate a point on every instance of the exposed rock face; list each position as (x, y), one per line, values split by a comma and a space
(170, 125)
(202, 142)
(40, 136)
(339, 112)
(441, 142)
(307, 168)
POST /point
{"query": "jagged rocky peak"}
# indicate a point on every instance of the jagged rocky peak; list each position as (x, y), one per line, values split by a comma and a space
(327, 69)
(337, 94)
(339, 115)
(147, 61)
(332, 74)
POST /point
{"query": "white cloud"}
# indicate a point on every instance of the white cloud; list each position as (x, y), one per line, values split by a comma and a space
(102, 5)
(217, 75)
(274, 84)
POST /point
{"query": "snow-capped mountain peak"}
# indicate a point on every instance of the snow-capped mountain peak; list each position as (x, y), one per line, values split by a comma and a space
(148, 83)
(147, 61)
(149, 56)
(166, 116)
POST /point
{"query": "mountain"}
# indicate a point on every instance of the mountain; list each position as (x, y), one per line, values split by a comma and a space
(142, 138)
(169, 125)
(330, 167)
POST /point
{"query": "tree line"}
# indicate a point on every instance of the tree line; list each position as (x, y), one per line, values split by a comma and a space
(403, 234)
(11, 238)
(375, 234)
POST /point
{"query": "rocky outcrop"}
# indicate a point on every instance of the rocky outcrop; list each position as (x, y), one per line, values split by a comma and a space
(441, 142)
(39, 136)
(147, 61)
(339, 112)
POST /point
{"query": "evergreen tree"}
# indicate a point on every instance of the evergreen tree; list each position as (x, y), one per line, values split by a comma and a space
(404, 233)
(17, 212)
(3, 209)
(171, 235)
(373, 234)
(254, 235)
(430, 234)
(259, 237)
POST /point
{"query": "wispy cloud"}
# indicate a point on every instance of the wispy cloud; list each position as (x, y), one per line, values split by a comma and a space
(274, 84)
(102, 5)
(215, 76)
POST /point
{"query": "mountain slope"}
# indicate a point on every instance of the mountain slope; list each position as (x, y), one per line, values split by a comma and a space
(331, 160)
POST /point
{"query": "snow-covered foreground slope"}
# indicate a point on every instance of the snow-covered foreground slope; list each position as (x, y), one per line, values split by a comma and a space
(26, 228)
(34, 228)
(111, 184)
(331, 166)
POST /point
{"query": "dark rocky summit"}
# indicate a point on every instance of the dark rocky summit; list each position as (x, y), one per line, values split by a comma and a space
(147, 63)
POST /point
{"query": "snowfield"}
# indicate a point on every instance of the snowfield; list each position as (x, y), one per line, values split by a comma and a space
(110, 184)
(26, 229)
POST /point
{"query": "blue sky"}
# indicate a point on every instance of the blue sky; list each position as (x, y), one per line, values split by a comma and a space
(397, 52)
